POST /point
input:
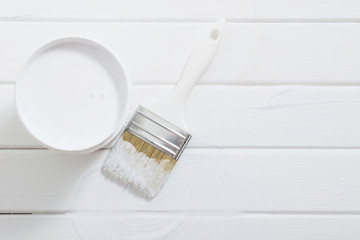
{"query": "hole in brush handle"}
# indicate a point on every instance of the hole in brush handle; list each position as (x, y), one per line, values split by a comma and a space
(215, 34)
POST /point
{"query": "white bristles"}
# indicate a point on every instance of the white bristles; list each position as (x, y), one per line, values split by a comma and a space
(134, 165)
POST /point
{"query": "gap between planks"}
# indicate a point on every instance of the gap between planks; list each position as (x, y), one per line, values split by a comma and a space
(210, 148)
(191, 214)
(181, 20)
(207, 214)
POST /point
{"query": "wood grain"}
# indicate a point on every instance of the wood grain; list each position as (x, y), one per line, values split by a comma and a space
(250, 53)
(105, 10)
(103, 227)
(240, 117)
(205, 181)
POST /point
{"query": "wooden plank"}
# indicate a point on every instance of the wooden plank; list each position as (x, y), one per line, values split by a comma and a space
(40, 180)
(250, 54)
(13, 227)
(12, 131)
(235, 180)
(239, 116)
(231, 181)
(77, 227)
(164, 10)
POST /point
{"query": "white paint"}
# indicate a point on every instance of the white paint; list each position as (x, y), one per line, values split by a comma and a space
(141, 172)
(73, 95)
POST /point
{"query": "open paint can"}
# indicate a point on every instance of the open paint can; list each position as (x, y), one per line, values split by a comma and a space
(73, 95)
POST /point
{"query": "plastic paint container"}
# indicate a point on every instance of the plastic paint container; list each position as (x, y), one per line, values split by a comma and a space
(73, 95)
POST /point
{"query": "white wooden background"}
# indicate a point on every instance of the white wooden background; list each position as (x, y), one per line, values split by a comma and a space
(275, 121)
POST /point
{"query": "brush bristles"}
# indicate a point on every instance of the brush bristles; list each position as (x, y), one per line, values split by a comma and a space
(139, 164)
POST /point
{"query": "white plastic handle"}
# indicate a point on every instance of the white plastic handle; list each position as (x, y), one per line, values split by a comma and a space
(172, 107)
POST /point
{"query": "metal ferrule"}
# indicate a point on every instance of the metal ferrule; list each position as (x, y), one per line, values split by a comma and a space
(158, 132)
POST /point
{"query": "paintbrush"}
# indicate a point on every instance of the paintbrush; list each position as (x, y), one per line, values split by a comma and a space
(156, 135)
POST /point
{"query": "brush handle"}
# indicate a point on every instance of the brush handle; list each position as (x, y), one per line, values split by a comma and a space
(171, 108)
